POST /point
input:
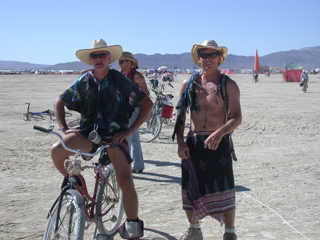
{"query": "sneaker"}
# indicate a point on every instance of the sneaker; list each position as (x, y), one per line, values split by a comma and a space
(229, 236)
(192, 234)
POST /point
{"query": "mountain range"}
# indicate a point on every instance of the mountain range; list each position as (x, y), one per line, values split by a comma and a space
(308, 58)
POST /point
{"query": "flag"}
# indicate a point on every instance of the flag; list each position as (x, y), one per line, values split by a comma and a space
(256, 63)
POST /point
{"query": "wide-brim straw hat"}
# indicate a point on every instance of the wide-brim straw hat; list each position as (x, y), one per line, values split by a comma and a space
(99, 45)
(129, 56)
(208, 44)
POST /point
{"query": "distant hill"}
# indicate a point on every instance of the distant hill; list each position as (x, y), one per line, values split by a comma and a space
(309, 58)
(15, 65)
(77, 65)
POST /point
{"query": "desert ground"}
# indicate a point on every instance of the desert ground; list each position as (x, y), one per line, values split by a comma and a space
(277, 173)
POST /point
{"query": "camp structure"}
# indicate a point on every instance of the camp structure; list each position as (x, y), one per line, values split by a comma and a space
(291, 75)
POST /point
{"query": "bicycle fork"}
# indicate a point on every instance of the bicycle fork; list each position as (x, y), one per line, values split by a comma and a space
(75, 195)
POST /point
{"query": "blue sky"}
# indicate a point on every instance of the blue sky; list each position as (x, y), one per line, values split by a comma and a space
(50, 32)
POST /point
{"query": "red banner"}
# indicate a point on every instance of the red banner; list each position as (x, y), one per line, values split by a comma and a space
(291, 75)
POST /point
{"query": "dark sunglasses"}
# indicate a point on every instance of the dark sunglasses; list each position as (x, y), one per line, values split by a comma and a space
(212, 55)
(123, 61)
(99, 55)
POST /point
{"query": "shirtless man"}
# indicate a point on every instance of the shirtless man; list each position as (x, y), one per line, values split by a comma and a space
(207, 175)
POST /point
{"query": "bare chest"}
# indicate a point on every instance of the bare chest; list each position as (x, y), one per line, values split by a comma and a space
(209, 97)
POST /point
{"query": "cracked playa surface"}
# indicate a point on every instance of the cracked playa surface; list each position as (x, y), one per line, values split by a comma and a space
(277, 173)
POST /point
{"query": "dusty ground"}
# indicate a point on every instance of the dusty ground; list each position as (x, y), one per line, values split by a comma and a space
(277, 173)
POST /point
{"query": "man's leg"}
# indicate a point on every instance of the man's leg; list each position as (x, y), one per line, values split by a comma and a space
(190, 217)
(229, 226)
(229, 219)
(59, 154)
(136, 152)
(194, 230)
(134, 145)
(125, 180)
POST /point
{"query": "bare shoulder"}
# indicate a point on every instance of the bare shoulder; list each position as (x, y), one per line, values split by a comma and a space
(138, 74)
(232, 85)
(138, 78)
(183, 85)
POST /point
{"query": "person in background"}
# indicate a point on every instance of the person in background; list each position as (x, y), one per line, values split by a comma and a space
(304, 78)
(129, 66)
(207, 175)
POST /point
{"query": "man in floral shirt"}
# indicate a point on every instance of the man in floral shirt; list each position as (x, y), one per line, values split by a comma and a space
(105, 98)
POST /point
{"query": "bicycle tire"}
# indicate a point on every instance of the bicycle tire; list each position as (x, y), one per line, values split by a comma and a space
(66, 114)
(71, 222)
(149, 131)
(108, 194)
(74, 123)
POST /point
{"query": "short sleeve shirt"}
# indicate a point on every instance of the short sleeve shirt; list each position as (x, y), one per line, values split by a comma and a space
(108, 104)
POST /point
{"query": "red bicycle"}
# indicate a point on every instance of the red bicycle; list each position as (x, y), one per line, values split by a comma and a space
(75, 209)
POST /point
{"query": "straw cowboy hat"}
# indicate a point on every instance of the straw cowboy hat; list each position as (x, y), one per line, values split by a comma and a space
(211, 44)
(99, 45)
(129, 56)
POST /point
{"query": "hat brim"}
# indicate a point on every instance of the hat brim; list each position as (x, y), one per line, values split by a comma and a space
(135, 62)
(84, 54)
(196, 47)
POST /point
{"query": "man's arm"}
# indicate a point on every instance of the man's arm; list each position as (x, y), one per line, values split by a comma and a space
(234, 109)
(139, 79)
(59, 111)
(145, 106)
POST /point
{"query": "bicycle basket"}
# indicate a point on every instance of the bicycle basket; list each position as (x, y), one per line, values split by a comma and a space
(167, 111)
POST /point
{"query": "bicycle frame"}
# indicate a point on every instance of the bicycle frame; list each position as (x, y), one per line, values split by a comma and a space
(82, 191)
(46, 112)
(161, 100)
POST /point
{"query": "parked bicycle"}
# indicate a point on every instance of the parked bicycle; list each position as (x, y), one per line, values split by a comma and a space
(156, 86)
(162, 112)
(40, 115)
(75, 209)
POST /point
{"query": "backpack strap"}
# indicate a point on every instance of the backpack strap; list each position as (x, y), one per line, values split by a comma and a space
(223, 87)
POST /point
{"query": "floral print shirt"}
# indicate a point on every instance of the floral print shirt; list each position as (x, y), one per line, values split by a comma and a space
(108, 104)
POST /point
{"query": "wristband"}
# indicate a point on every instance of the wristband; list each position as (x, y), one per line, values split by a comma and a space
(131, 129)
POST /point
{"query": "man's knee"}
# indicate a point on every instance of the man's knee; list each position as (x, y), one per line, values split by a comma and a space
(126, 183)
(55, 149)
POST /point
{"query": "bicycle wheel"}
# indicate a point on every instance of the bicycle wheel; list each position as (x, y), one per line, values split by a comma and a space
(149, 131)
(109, 208)
(71, 220)
(68, 114)
(74, 123)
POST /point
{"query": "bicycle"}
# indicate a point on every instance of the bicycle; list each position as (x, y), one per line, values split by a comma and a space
(160, 113)
(75, 207)
(39, 115)
(304, 85)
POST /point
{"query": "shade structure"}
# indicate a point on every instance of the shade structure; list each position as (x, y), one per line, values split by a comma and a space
(291, 75)
(257, 63)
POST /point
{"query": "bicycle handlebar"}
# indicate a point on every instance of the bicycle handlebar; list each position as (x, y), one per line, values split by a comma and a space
(50, 130)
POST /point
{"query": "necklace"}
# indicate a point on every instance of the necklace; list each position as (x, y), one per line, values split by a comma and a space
(214, 92)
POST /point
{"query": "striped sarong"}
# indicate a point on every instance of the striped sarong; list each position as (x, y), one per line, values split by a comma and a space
(207, 178)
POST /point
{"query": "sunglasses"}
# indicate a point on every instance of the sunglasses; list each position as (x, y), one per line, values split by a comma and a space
(98, 55)
(123, 61)
(212, 55)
